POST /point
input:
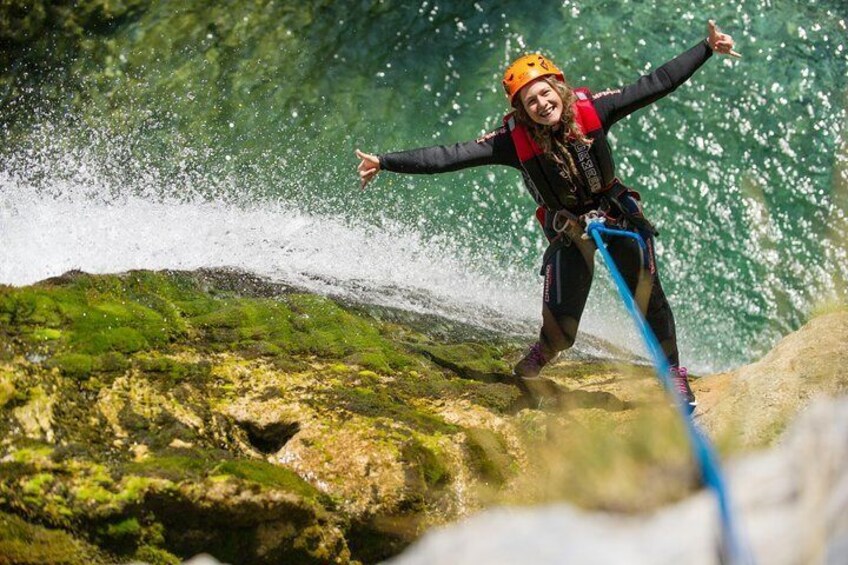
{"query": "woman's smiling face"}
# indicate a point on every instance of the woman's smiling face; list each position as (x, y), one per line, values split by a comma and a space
(542, 103)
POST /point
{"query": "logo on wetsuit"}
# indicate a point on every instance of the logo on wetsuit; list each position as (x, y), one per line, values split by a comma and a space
(589, 170)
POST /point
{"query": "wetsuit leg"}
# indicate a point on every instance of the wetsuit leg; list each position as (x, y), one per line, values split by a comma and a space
(639, 269)
(568, 279)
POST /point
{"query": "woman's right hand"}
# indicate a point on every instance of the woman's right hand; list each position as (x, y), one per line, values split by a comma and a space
(720, 42)
(369, 166)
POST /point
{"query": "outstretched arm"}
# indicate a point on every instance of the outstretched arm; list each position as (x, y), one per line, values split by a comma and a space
(615, 104)
(494, 148)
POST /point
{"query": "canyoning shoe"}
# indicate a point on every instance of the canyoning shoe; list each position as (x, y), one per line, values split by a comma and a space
(680, 383)
(541, 392)
(531, 364)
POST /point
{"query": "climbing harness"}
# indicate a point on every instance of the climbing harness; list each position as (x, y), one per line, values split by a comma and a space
(734, 548)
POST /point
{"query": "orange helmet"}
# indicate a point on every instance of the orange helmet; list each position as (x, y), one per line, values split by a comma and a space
(527, 69)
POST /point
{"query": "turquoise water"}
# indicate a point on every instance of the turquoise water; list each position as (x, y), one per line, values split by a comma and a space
(224, 134)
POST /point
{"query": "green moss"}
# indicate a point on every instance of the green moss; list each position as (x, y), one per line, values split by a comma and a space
(252, 349)
(369, 377)
(155, 556)
(132, 489)
(197, 306)
(124, 340)
(37, 455)
(498, 397)
(469, 360)
(46, 334)
(268, 475)
(488, 455)
(91, 315)
(121, 537)
(326, 329)
(229, 316)
(93, 493)
(102, 495)
(156, 363)
(28, 307)
(172, 370)
(373, 360)
(432, 472)
(257, 326)
(7, 388)
(380, 404)
(173, 467)
(23, 543)
(38, 485)
(111, 362)
(129, 528)
(74, 365)
(40, 495)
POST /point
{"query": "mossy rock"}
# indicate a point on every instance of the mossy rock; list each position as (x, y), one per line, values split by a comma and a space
(46, 334)
(151, 377)
(8, 391)
(27, 307)
(475, 361)
(112, 362)
(153, 555)
(380, 403)
(488, 455)
(122, 536)
(88, 315)
(268, 475)
(23, 543)
(172, 370)
(431, 471)
(174, 466)
(74, 365)
(372, 360)
(123, 340)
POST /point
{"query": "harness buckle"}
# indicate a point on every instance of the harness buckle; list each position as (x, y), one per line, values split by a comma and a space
(560, 223)
(592, 217)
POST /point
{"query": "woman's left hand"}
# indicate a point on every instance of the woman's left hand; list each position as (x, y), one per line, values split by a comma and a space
(369, 166)
(720, 42)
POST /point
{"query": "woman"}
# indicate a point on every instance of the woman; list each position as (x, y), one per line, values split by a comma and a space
(556, 136)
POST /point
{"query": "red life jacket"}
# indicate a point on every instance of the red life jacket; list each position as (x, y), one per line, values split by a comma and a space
(541, 176)
(594, 163)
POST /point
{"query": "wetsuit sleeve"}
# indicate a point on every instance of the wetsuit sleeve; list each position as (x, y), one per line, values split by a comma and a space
(494, 148)
(614, 104)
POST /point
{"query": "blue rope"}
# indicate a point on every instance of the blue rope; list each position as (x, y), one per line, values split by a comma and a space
(734, 549)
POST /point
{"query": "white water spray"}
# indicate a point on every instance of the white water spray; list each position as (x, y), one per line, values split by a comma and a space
(83, 221)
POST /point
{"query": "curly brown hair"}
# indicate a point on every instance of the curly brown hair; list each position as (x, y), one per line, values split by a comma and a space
(553, 141)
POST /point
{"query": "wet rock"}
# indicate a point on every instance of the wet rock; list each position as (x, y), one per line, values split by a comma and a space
(791, 503)
(753, 405)
(271, 437)
(176, 413)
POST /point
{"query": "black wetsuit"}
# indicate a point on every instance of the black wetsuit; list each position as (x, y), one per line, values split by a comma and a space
(568, 269)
